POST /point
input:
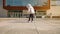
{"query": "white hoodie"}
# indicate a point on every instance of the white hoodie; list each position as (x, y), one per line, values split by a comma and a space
(30, 9)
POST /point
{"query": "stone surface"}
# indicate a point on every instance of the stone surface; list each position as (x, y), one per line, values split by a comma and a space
(21, 26)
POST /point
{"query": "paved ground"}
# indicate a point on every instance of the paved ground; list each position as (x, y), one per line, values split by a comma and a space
(21, 26)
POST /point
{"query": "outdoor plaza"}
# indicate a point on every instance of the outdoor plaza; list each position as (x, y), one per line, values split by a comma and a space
(21, 26)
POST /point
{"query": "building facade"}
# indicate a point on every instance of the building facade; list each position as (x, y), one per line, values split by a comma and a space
(17, 8)
(54, 10)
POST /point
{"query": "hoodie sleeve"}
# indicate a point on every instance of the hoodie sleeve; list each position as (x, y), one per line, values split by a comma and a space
(28, 9)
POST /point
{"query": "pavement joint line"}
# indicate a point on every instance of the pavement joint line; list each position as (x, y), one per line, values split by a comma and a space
(36, 28)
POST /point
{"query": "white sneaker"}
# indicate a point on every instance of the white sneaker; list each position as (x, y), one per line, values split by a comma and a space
(32, 21)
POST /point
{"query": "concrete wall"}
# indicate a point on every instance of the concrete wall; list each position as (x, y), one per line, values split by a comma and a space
(55, 3)
(3, 12)
(55, 10)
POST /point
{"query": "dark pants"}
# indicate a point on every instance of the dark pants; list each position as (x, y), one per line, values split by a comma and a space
(31, 16)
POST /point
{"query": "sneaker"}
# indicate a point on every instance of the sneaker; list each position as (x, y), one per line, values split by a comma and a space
(28, 21)
(32, 21)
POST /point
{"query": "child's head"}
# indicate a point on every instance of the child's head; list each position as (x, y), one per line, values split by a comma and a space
(29, 5)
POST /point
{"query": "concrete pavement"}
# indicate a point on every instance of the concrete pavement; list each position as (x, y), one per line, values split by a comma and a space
(21, 26)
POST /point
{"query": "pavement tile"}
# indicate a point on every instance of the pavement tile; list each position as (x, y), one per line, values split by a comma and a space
(21, 26)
